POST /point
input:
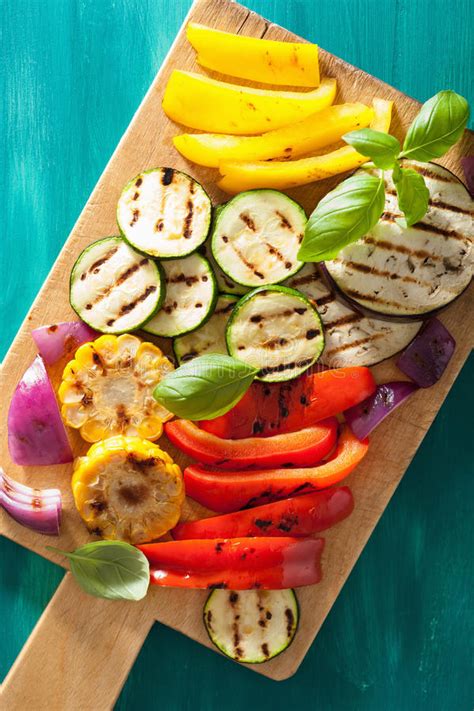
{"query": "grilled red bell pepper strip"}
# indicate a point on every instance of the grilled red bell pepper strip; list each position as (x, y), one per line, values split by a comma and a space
(298, 516)
(236, 564)
(273, 408)
(303, 448)
(231, 491)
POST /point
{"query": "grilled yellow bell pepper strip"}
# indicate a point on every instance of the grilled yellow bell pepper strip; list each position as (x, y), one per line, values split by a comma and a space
(318, 130)
(288, 174)
(215, 106)
(128, 489)
(262, 60)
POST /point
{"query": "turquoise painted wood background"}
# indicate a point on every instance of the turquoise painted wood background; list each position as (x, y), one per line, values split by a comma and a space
(400, 635)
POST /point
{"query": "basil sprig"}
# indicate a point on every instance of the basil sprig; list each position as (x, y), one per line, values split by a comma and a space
(382, 148)
(438, 126)
(413, 196)
(111, 569)
(347, 213)
(343, 216)
(205, 387)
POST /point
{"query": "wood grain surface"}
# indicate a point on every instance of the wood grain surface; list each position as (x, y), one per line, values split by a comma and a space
(393, 446)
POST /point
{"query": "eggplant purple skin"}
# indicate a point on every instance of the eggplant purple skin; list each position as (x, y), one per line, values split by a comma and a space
(428, 355)
(468, 168)
(364, 417)
(353, 304)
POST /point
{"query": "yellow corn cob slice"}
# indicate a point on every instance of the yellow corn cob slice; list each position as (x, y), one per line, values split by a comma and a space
(108, 388)
(128, 489)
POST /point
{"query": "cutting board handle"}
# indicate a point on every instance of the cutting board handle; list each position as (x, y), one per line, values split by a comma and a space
(78, 655)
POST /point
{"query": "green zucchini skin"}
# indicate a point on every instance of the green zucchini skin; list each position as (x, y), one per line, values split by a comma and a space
(286, 339)
(146, 225)
(256, 236)
(111, 261)
(228, 616)
(191, 296)
(209, 337)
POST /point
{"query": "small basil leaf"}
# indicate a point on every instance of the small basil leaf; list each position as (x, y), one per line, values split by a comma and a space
(205, 387)
(413, 196)
(438, 126)
(343, 216)
(381, 148)
(111, 569)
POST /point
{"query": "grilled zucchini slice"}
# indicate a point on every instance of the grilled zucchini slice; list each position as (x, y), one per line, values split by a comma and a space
(224, 282)
(191, 295)
(277, 330)
(164, 213)
(209, 338)
(251, 626)
(411, 272)
(113, 288)
(350, 337)
(256, 237)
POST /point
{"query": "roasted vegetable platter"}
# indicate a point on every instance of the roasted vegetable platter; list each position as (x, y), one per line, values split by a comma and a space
(73, 619)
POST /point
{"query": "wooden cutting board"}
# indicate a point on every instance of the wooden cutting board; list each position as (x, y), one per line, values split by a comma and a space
(82, 648)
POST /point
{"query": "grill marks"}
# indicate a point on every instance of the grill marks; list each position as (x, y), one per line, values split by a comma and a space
(167, 176)
(283, 367)
(247, 262)
(95, 268)
(127, 308)
(384, 273)
(355, 344)
(133, 269)
(189, 215)
(247, 220)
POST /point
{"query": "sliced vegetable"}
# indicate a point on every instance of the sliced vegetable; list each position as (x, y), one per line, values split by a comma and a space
(236, 564)
(224, 282)
(36, 434)
(277, 330)
(38, 509)
(254, 626)
(266, 61)
(209, 338)
(230, 491)
(427, 357)
(312, 133)
(364, 417)
(191, 295)
(128, 489)
(61, 339)
(207, 386)
(307, 446)
(281, 175)
(468, 168)
(113, 570)
(107, 388)
(256, 237)
(409, 272)
(298, 516)
(270, 409)
(200, 102)
(164, 213)
(350, 337)
(113, 288)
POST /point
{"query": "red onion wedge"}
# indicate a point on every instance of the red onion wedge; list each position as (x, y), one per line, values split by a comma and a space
(468, 168)
(427, 356)
(36, 434)
(364, 417)
(61, 339)
(38, 509)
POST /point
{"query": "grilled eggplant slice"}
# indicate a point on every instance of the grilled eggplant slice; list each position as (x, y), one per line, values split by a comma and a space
(277, 330)
(411, 272)
(113, 288)
(209, 338)
(191, 294)
(251, 626)
(256, 237)
(351, 338)
(164, 213)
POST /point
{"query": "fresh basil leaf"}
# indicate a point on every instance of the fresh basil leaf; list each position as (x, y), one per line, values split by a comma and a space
(438, 126)
(111, 569)
(205, 387)
(343, 216)
(413, 196)
(396, 172)
(381, 148)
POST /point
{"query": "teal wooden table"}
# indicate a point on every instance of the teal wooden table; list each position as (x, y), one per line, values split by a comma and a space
(400, 635)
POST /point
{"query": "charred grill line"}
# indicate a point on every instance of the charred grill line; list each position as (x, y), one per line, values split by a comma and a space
(126, 308)
(427, 227)
(284, 220)
(189, 215)
(366, 269)
(167, 177)
(251, 267)
(285, 366)
(383, 244)
(343, 321)
(121, 279)
(370, 297)
(247, 220)
(100, 262)
(355, 344)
